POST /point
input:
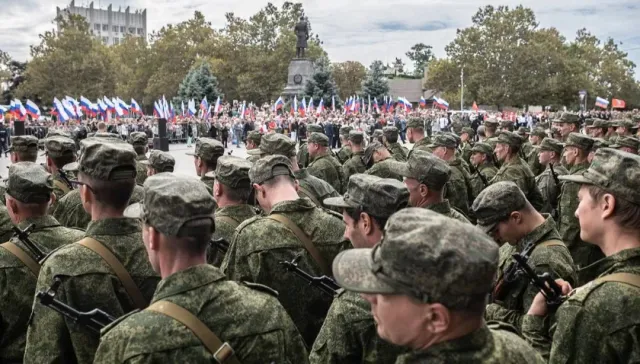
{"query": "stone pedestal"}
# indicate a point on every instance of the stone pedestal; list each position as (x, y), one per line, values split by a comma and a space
(300, 71)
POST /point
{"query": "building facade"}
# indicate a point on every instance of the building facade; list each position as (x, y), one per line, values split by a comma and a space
(110, 26)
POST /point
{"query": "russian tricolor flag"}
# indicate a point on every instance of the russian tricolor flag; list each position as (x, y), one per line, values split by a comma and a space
(135, 107)
(216, 109)
(109, 103)
(204, 105)
(441, 103)
(279, 104)
(33, 109)
(423, 102)
(158, 110)
(85, 104)
(320, 107)
(603, 103)
(60, 109)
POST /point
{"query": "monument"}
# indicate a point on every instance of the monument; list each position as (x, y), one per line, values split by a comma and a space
(300, 69)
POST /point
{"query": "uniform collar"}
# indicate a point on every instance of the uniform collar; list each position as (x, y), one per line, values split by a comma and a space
(113, 226)
(293, 206)
(544, 231)
(187, 280)
(40, 222)
(443, 207)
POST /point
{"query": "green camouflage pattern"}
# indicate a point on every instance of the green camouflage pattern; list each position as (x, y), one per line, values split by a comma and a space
(465, 151)
(328, 169)
(141, 169)
(255, 137)
(398, 151)
(444, 208)
(423, 144)
(496, 203)
(104, 160)
(533, 160)
(269, 167)
(580, 141)
(232, 171)
(445, 140)
(344, 154)
(6, 225)
(88, 283)
(425, 168)
(317, 188)
(458, 188)
(275, 143)
(567, 118)
(549, 190)
(253, 323)
(489, 171)
(518, 171)
(59, 146)
(138, 138)
(208, 149)
(356, 136)
(160, 161)
(23, 143)
(303, 155)
(29, 183)
(208, 183)
(318, 138)
(225, 229)
(415, 123)
(385, 169)
(353, 165)
(376, 196)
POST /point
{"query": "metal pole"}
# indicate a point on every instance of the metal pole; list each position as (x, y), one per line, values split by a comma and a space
(462, 89)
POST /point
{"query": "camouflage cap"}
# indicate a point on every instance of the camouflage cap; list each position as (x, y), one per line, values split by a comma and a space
(370, 149)
(551, 145)
(171, 202)
(29, 183)
(626, 124)
(614, 171)
(444, 140)
(426, 168)
(510, 138)
(491, 122)
(275, 144)
(580, 141)
(58, 132)
(424, 255)
(345, 129)
(160, 161)
(356, 136)
(415, 123)
(208, 149)
(255, 137)
(104, 160)
(59, 146)
(138, 138)
(598, 123)
(568, 118)
(24, 143)
(599, 143)
(482, 148)
(378, 133)
(314, 128)
(232, 171)
(104, 135)
(390, 132)
(469, 131)
(626, 141)
(379, 197)
(319, 138)
(496, 202)
(523, 130)
(506, 124)
(269, 167)
(539, 132)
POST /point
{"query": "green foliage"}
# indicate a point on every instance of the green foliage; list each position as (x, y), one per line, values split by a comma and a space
(375, 84)
(12, 73)
(322, 85)
(349, 76)
(421, 54)
(198, 83)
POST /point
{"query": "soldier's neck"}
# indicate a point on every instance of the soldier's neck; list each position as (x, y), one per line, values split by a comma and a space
(356, 148)
(615, 239)
(177, 261)
(223, 201)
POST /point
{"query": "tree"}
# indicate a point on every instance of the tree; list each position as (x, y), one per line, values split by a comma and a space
(444, 78)
(134, 67)
(375, 84)
(421, 54)
(322, 85)
(11, 73)
(198, 83)
(349, 76)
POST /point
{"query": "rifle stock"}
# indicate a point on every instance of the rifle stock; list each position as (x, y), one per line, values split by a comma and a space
(544, 282)
(219, 244)
(324, 283)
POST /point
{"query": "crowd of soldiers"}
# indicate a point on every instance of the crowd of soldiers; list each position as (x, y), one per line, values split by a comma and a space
(480, 246)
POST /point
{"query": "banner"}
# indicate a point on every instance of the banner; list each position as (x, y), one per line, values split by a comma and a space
(618, 104)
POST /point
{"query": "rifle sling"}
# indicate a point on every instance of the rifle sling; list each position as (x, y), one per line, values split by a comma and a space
(229, 220)
(306, 241)
(628, 278)
(309, 195)
(222, 352)
(61, 185)
(121, 272)
(25, 258)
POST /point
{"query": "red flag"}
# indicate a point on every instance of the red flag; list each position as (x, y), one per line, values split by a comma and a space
(475, 106)
(618, 104)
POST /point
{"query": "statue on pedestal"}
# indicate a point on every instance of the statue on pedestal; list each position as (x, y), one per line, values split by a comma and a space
(302, 33)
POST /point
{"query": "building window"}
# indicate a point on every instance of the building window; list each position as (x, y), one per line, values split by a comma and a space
(105, 27)
(140, 31)
(122, 30)
(115, 28)
(105, 40)
(132, 30)
(96, 26)
(116, 41)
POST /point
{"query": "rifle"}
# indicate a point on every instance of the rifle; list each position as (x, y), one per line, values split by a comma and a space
(512, 273)
(65, 179)
(23, 236)
(95, 320)
(547, 286)
(483, 178)
(324, 283)
(219, 244)
(554, 174)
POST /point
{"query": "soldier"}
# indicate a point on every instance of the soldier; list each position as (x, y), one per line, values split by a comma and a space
(598, 321)
(348, 334)
(303, 150)
(527, 147)
(598, 129)
(485, 169)
(253, 143)
(575, 153)
(390, 140)
(295, 227)
(158, 162)
(550, 154)
(515, 169)
(345, 151)
(355, 164)
(29, 191)
(378, 159)
(231, 191)
(108, 269)
(536, 138)
(625, 128)
(177, 226)
(569, 123)
(597, 144)
(140, 142)
(415, 135)
(504, 213)
(466, 143)
(491, 132)
(458, 189)
(24, 148)
(323, 165)
(627, 144)
(426, 177)
(59, 151)
(611, 134)
(427, 282)
(205, 159)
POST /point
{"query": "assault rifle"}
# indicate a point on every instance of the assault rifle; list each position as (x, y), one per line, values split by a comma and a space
(554, 174)
(547, 286)
(65, 179)
(483, 178)
(95, 320)
(324, 283)
(512, 273)
(219, 244)
(23, 236)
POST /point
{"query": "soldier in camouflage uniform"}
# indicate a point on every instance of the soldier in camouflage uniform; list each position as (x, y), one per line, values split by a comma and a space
(176, 214)
(466, 143)
(355, 164)
(390, 140)
(458, 189)
(106, 175)
(158, 162)
(253, 143)
(550, 154)
(627, 144)
(427, 281)
(24, 148)
(344, 153)
(515, 169)
(140, 142)
(598, 323)
(303, 150)
(485, 169)
(426, 177)
(624, 128)
(348, 334)
(231, 191)
(205, 159)
(598, 129)
(261, 243)
(377, 136)
(527, 147)
(491, 132)
(536, 138)
(60, 151)
(568, 123)
(323, 165)
(504, 213)
(29, 190)
(597, 144)
(576, 151)
(415, 135)
(379, 161)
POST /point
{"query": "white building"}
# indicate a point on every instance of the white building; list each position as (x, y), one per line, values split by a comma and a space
(110, 26)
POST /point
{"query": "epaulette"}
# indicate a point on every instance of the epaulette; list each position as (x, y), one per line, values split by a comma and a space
(502, 326)
(333, 213)
(262, 288)
(117, 321)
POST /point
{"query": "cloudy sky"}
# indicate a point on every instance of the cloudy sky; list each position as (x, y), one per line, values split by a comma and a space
(351, 30)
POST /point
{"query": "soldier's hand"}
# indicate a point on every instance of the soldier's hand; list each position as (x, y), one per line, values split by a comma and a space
(539, 305)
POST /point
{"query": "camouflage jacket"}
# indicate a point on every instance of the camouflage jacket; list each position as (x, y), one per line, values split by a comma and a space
(353, 166)
(422, 144)
(518, 171)
(349, 335)
(208, 183)
(398, 152)
(225, 229)
(344, 154)
(534, 161)
(382, 169)
(465, 151)
(486, 345)
(598, 323)
(458, 188)
(313, 187)
(516, 297)
(70, 213)
(6, 225)
(489, 171)
(328, 169)
(252, 321)
(303, 154)
(568, 225)
(60, 188)
(549, 190)
(88, 283)
(18, 283)
(141, 170)
(445, 209)
(260, 244)
(253, 158)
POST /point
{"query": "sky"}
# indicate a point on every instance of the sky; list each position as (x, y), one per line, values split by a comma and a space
(351, 30)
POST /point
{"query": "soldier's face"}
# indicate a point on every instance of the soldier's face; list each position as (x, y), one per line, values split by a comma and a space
(410, 136)
(353, 231)
(570, 154)
(566, 129)
(413, 186)
(589, 215)
(477, 159)
(501, 151)
(544, 157)
(629, 150)
(400, 320)
(464, 137)
(534, 139)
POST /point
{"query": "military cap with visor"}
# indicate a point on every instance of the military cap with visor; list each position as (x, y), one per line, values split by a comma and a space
(232, 171)
(379, 197)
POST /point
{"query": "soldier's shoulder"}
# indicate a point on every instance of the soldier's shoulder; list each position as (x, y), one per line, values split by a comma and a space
(8, 260)
(74, 259)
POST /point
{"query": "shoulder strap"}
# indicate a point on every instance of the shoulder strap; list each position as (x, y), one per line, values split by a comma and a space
(628, 278)
(25, 258)
(552, 242)
(61, 185)
(229, 220)
(222, 352)
(305, 239)
(309, 195)
(123, 275)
